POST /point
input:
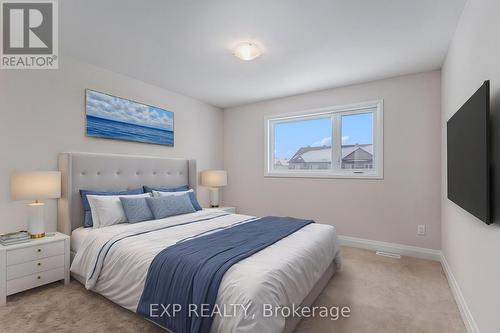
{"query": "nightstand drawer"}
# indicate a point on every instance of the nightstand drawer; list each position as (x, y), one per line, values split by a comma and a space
(35, 280)
(34, 252)
(32, 267)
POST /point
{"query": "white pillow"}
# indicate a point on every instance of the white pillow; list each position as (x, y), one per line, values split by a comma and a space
(157, 194)
(108, 210)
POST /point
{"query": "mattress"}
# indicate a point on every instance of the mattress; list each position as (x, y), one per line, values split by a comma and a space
(281, 274)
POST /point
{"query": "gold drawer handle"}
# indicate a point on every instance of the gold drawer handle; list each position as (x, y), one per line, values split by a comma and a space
(39, 264)
(38, 277)
(39, 250)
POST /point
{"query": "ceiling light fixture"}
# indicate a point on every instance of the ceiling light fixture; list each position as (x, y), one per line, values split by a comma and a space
(246, 51)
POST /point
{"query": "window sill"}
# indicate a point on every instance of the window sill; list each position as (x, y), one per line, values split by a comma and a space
(367, 175)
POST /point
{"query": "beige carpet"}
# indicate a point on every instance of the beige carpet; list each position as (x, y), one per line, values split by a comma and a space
(385, 295)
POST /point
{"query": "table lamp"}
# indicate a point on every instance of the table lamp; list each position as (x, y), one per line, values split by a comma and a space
(36, 185)
(214, 179)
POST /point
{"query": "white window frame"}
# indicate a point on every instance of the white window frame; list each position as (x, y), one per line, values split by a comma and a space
(335, 112)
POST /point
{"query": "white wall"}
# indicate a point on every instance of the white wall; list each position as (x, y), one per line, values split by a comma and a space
(472, 248)
(385, 210)
(42, 113)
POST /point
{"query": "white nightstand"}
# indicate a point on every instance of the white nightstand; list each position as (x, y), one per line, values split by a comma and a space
(34, 263)
(231, 210)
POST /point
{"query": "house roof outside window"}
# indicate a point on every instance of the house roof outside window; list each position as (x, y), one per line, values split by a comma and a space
(322, 154)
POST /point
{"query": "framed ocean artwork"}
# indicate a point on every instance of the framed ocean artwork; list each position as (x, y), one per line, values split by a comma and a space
(118, 118)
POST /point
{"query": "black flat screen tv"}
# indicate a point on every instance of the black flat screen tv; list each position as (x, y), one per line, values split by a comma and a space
(468, 143)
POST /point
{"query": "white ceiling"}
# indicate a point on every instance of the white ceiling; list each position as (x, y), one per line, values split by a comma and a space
(184, 45)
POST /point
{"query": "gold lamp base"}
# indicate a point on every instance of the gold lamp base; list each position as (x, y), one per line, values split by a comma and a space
(33, 236)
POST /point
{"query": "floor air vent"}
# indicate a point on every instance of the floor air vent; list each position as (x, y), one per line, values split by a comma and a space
(388, 254)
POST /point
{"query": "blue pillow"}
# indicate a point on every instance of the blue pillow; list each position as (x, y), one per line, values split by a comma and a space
(136, 209)
(165, 189)
(194, 201)
(87, 221)
(182, 188)
(170, 206)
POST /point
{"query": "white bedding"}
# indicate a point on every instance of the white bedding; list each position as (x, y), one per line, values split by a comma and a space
(281, 274)
(78, 237)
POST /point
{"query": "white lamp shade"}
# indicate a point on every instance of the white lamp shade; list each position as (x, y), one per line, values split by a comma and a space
(214, 178)
(35, 185)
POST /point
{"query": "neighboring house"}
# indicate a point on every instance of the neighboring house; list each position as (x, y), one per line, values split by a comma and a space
(353, 157)
(357, 156)
(311, 158)
(281, 164)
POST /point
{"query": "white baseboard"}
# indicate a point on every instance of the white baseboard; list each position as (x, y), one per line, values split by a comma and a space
(404, 250)
(470, 323)
(423, 253)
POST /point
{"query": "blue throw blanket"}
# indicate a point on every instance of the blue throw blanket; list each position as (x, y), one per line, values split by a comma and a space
(191, 271)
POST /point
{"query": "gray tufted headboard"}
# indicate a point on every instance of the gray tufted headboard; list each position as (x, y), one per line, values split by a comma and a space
(114, 172)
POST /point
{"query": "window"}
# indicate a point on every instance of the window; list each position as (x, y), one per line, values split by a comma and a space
(336, 142)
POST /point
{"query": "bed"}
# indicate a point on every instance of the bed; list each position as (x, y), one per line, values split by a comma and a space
(293, 270)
